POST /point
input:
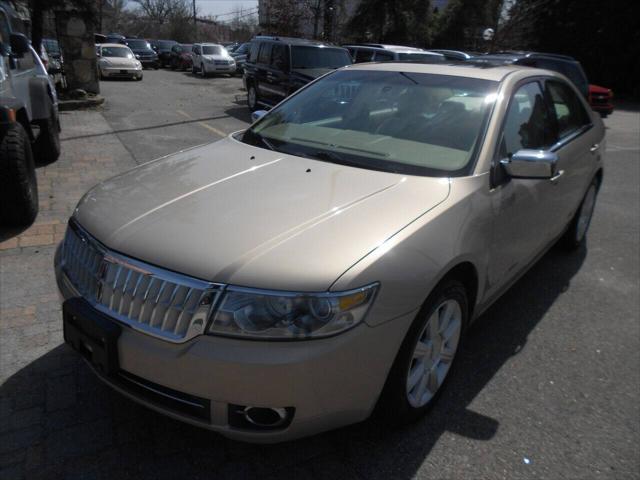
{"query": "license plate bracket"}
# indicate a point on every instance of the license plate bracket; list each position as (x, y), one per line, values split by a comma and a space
(92, 334)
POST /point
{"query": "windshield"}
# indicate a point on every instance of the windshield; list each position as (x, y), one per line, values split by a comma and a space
(319, 57)
(138, 44)
(242, 49)
(420, 57)
(412, 123)
(212, 50)
(121, 52)
(51, 46)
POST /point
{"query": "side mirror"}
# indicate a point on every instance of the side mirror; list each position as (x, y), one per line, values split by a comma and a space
(531, 164)
(19, 44)
(257, 115)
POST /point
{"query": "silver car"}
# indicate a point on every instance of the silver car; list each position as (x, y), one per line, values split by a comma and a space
(327, 261)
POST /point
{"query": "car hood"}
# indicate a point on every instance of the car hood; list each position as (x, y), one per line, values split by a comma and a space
(143, 51)
(121, 62)
(237, 214)
(597, 89)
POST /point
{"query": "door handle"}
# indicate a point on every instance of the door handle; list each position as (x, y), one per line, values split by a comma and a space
(594, 147)
(557, 176)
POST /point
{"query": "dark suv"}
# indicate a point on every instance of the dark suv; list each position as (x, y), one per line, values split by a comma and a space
(278, 66)
(143, 51)
(564, 64)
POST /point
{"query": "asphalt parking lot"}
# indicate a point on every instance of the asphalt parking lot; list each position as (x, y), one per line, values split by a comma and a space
(548, 385)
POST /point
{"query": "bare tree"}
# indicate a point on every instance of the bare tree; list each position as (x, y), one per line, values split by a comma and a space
(162, 11)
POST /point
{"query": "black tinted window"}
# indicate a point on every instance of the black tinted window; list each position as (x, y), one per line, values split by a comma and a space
(384, 57)
(265, 53)
(279, 57)
(138, 44)
(569, 113)
(253, 52)
(364, 56)
(319, 57)
(527, 125)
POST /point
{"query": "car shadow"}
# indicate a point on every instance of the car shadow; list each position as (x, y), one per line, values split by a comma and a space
(241, 113)
(86, 427)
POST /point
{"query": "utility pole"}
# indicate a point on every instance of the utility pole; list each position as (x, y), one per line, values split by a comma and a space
(101, 3)
(194, 13)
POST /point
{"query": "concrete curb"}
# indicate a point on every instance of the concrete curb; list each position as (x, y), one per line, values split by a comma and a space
(67, 105)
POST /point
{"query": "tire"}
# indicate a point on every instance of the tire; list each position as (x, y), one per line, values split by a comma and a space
(202, 71)
(18, 184)
(576, 233)
(252, 98)
(46, 148)
(399, 404)
(194, 70)
(139, 79)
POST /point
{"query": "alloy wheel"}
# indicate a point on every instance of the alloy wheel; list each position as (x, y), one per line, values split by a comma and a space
(433, 353)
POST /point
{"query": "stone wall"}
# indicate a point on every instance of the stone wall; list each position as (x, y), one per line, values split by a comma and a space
(75, 33)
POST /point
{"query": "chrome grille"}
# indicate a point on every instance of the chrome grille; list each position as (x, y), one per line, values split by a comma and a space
(158, 302)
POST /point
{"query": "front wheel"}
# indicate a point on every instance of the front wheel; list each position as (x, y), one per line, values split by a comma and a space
(577, 231)
(203, 73)
(426, 356)
(18, 184)
(47, 145)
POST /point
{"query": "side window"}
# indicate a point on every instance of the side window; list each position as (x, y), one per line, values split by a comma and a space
(253, 52)
(196, 49)
(265, 53)
(527, 124)
(279, 58)
(384, 57)
(363, 55)
(569, 113)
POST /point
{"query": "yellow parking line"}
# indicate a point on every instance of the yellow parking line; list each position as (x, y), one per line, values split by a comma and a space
(202, 124)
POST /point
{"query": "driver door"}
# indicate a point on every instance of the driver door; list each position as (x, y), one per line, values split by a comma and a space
(523, 209)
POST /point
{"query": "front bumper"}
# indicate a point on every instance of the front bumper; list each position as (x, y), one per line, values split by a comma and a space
(329, 382)
(211, 68)
(121, 72)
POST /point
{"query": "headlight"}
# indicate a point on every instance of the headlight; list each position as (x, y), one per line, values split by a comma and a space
(138, 64)
(245, 312)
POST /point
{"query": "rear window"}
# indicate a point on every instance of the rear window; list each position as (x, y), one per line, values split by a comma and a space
(319, 57)
(165, 44)
(51, 45)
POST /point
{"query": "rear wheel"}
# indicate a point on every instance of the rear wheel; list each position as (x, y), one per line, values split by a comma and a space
(252, 98)
(426, 356)
(47, 146)
(18, 184)
(203, 73)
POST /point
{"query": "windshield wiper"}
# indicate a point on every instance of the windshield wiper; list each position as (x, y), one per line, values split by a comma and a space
(264, 141)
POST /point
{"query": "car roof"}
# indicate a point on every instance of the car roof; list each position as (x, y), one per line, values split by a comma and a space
(483, 72)
(207, 44)
(121, 45)
(391, 48)
(292, 41)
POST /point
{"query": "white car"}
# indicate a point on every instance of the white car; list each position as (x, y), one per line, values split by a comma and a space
(117, 61)
(211, 58)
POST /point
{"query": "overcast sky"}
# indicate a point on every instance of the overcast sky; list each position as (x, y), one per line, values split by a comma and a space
(220, 7)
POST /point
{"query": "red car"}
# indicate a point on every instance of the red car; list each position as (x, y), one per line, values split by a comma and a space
(600, 99)
(180, 57)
